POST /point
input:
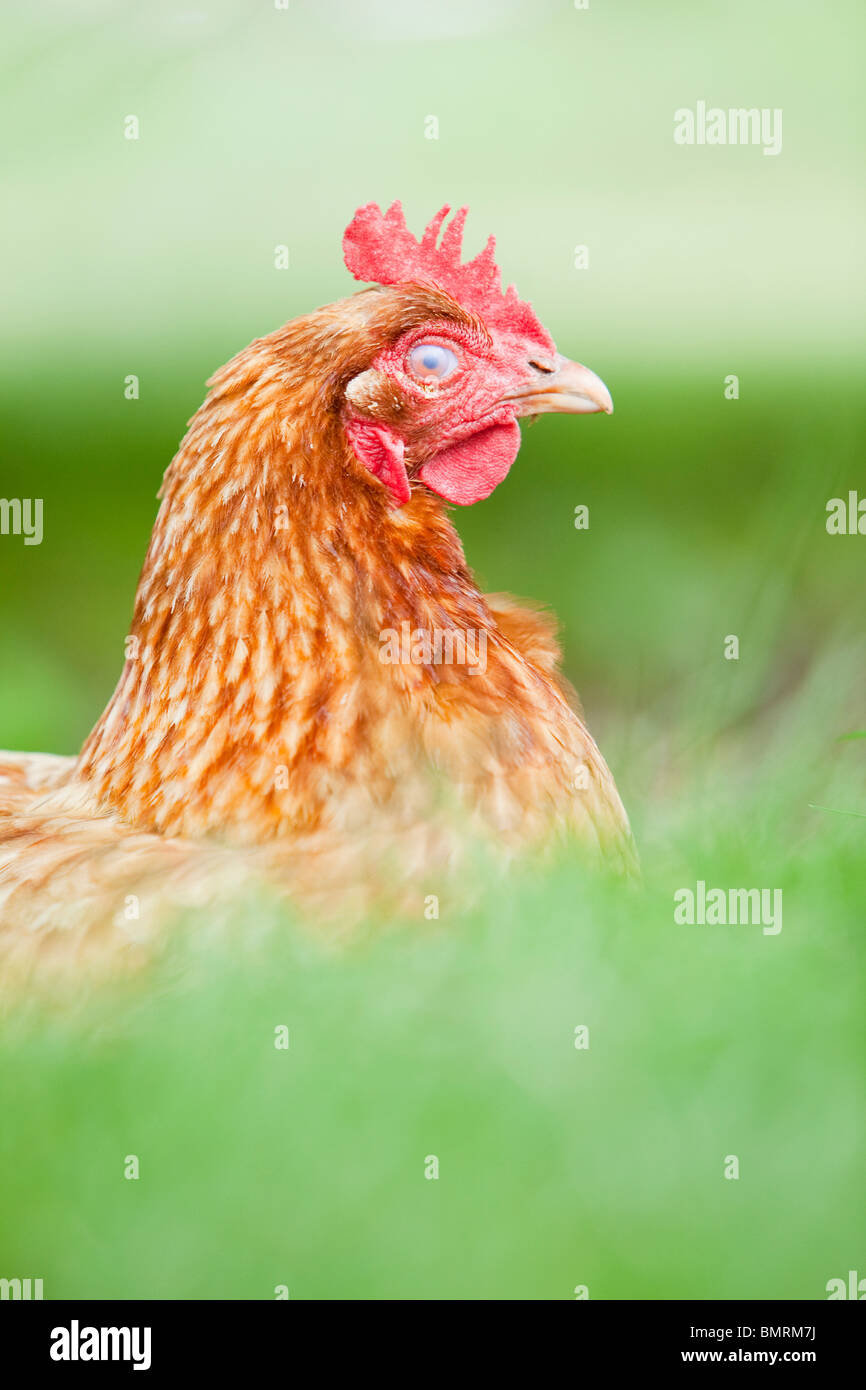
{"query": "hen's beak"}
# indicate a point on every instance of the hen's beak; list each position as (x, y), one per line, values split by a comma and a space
(558, 384)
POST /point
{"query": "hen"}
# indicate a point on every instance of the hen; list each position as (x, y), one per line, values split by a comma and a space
(315, 690)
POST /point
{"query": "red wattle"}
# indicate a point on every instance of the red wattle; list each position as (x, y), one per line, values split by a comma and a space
(469, 471)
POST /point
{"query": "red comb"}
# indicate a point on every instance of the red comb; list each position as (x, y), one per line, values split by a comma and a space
(378, 246)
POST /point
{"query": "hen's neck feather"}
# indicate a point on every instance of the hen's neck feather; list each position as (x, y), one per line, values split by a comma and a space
(275, 564)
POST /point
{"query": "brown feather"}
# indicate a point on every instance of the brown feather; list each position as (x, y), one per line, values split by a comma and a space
(254, 713)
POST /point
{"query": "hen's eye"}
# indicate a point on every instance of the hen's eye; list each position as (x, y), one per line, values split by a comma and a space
(431, 362)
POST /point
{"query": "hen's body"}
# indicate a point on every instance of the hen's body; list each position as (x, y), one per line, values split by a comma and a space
(256, 727)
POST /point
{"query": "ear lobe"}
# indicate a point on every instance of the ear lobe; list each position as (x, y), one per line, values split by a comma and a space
(381, 452)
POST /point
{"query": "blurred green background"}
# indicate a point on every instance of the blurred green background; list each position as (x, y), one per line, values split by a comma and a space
(261, 127)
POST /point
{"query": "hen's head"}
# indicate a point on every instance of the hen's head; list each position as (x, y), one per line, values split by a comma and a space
(439, 401)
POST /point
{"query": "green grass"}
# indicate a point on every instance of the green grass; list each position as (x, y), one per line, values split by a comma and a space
(558, 1167)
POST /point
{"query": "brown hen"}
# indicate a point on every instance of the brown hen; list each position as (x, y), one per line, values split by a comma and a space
(316, 692)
